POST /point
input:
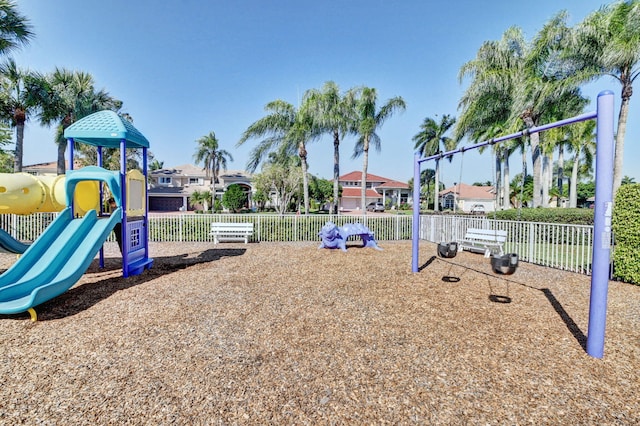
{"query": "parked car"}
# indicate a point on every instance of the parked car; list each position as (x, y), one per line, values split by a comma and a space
(477, 209)
(375, 207)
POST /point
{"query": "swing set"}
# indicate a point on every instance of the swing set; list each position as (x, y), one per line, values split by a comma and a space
(507, 264)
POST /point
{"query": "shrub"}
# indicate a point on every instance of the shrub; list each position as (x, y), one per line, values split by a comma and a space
(626, 231)
(565, 216)
(234, 198)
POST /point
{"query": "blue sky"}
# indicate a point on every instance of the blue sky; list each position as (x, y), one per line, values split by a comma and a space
(186, 68)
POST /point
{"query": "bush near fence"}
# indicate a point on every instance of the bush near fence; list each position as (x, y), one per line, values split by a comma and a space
(626, 231)
(559, 215)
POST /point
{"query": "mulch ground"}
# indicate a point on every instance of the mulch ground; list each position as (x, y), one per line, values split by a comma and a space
(284, 333)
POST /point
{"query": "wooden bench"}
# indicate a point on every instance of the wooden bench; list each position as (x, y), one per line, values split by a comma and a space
(231, 231)
(483, 240)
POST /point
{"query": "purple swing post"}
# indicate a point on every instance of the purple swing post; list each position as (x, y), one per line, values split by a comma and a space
(602, 214)
(601, 226)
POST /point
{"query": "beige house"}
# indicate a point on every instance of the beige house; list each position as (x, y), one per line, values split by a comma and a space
(47, 169)
(468, 198)
(171, 188)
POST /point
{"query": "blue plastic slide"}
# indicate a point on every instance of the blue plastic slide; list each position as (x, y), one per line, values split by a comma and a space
(55, 261)
(10, 244)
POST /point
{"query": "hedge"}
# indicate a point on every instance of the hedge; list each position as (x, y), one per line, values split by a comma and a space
(559, 215)
(626, 233)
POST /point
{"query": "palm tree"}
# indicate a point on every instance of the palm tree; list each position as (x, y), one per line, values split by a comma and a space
(486, 105)
(369, 118)
(15, 29)
(201, 197)
(156, 165)
(283, 130)
(212, 157)
(15, 105)
(581, 138)
(332, 113)
(63, 97)
(607, 43)
(430, 140)
(528, 77)
(628, 180)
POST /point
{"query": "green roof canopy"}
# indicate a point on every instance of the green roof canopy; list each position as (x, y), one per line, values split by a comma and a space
(106, 129)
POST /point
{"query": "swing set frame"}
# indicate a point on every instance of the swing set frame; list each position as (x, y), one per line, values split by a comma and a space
(604, 116)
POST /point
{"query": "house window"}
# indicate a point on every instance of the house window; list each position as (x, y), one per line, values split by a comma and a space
(164, 180)
(193, 181)
(448, 201)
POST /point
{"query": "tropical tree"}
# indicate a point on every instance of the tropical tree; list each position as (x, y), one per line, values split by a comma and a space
(486, 105)
(431, 139)
(281, 178)
(15, 105)
(522, 192)
(212, 157)
(156, 165)
(320, 190)
(529, 77)
(368, 119)
(234, 198)
(607, 43)
(15, 28)
(201, 197)
(581, 142)
(63, 97)
(628, 180)
(332, 113)
(284, 130)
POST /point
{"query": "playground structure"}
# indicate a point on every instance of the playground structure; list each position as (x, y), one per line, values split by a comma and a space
(61, 254)
(334, 236)
(602, 214)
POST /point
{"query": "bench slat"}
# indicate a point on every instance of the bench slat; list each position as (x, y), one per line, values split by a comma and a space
(231, 231)
(486, 240)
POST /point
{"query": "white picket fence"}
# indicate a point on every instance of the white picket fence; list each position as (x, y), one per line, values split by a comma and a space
(567, 247)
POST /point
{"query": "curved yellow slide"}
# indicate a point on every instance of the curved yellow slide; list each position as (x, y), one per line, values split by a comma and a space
(22, 193)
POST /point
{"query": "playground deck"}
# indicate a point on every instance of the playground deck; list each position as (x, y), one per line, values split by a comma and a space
(285, 333)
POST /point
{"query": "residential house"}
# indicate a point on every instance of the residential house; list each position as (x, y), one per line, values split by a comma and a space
(47, 169)
(388, 191)
(171, 188)
(468, 198)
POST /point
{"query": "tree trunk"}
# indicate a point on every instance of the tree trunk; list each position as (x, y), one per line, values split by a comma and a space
(536, 160)
(627, 91)
(560, 178)
(62, 149)
(305, 177)
(336, 171)
(365, 166)
(17, 165)
(573, 185)
(506, 200)
(546, 168)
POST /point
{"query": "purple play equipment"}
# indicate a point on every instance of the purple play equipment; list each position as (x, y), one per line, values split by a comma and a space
(604, 115)
(106, 129)
(334, 236)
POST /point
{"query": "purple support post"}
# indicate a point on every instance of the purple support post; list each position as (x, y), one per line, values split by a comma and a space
(145, 169)
(601, 225)
(415, 239)
(70, 142)
(123, 204)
